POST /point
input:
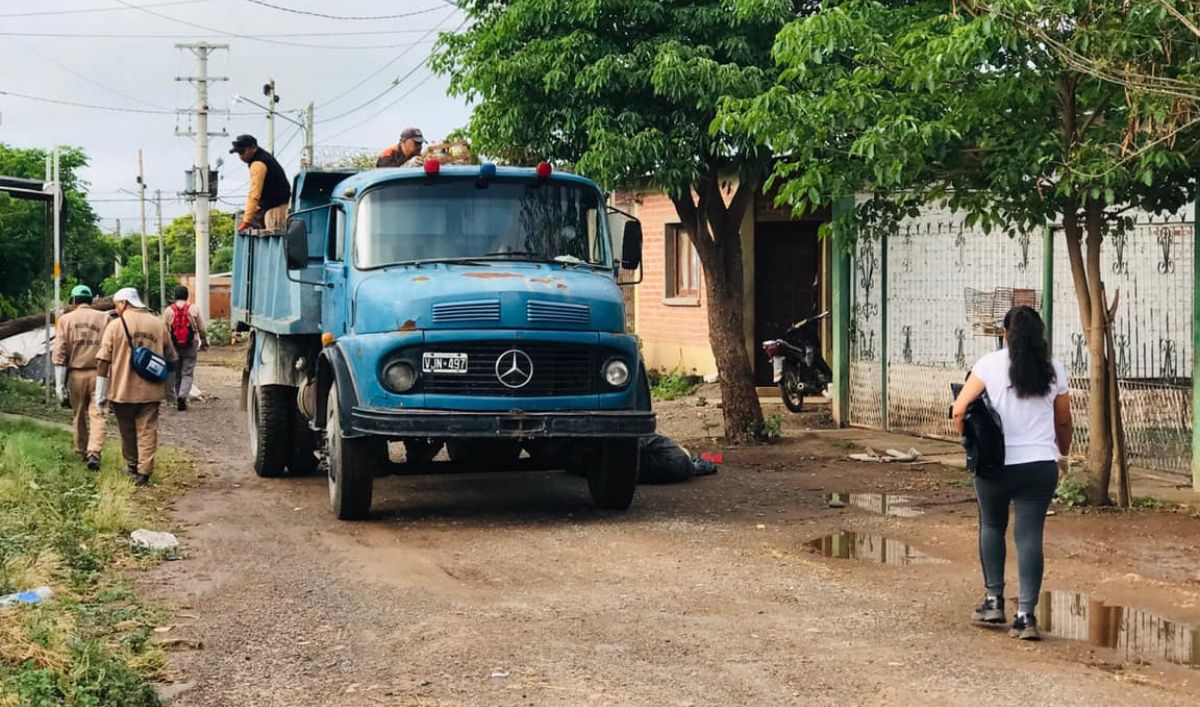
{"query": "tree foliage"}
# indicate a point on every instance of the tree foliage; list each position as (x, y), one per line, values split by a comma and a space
(625, 92)
(26, 236)
(1016, 112)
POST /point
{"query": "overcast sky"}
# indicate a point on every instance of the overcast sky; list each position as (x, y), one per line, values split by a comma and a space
(136, 69)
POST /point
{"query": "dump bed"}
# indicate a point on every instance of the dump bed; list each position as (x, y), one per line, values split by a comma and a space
(263, 295)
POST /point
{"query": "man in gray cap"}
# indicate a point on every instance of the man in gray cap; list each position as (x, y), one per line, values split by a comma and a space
(134, 400)
(411, 141)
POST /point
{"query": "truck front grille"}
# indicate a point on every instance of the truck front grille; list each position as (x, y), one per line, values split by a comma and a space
(558, 369)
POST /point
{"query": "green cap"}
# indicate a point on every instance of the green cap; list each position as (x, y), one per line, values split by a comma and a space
(81, 291)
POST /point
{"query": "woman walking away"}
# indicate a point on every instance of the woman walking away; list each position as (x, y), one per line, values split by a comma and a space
(1029, 391)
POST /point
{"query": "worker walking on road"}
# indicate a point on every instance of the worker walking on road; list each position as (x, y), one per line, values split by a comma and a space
(270, 190)
(134, 400)
(398, 155)
(188, 334)
(76, 343)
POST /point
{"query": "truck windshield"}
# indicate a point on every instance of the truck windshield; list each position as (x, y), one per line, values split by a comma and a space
(453, 219)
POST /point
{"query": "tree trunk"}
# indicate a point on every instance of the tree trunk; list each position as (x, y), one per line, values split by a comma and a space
(739, 399)
(1099, 456)
(715, 231)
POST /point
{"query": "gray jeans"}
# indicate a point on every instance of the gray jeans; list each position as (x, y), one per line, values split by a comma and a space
(1029, 488)
(185, 371)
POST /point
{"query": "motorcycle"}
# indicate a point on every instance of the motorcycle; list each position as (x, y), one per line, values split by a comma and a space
(797, 364)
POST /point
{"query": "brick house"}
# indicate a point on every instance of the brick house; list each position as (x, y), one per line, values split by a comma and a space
(784, 265)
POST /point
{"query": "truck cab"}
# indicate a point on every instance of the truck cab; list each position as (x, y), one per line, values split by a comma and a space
(470, 308)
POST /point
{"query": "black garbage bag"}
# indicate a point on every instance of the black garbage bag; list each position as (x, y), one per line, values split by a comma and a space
(663, 461)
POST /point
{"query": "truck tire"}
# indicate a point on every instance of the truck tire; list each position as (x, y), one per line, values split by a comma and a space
(302, 459)
(612, 478)
(269, 423)
(351, 471)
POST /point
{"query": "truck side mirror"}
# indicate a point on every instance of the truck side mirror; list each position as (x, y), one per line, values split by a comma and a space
(295, 240)
(631, 245)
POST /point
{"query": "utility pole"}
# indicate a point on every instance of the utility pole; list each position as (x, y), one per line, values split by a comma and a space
(145, 251)
(162, 262)
(308, 137)
(117, 265)
(272, 99)
(201, 185)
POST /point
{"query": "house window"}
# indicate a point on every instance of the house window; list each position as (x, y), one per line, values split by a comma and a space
(683, 266)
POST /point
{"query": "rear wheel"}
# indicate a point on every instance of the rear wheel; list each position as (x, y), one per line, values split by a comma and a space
(791, 389)
(612, 477)
(269, 425)
(350, 466)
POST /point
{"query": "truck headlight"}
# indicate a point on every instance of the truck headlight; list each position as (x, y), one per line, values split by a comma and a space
(616, 373)
(399, 377)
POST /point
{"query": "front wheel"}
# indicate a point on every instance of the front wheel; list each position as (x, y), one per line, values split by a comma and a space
(791, 389)
(612, 478)
(350, 466)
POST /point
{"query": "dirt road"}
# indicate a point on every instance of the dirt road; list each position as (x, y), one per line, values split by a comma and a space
(511, 590)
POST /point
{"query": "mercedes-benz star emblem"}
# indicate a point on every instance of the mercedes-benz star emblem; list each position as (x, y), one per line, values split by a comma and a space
(514, 368)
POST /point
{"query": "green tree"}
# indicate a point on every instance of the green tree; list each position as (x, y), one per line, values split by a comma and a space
(180, 242)
(984, 106)
(626, 91)
(26, 237)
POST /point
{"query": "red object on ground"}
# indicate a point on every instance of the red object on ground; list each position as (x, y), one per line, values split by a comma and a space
(714, 458)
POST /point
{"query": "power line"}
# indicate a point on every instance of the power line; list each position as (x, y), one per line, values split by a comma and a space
(85, 77)
(345, 17)
(56, 101)
(383, 110)
(39, 13)
(126, 35)
(393, 60)
(250, 37)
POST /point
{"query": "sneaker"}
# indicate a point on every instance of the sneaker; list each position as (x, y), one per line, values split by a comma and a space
(991, 611)
(1025, 628)
(141, 479)
(93, 462)
(181, 404)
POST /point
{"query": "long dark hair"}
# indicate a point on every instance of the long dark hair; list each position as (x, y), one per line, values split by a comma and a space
(1031, 372)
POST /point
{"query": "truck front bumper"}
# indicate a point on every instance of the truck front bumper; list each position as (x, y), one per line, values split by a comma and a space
(511, 425)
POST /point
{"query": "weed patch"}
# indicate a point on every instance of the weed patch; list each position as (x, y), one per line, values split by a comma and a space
(66, 527)
(23, 397)
(673, 385)
(1152, 504)
(1071, 492)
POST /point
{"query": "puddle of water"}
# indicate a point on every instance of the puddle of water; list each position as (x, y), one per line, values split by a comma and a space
(882, 503)
(1133, 633)
(851, 545)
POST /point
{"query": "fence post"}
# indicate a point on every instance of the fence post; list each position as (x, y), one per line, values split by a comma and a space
(883, 332)
(1048, 284)
(1195, 357)
(840, 305)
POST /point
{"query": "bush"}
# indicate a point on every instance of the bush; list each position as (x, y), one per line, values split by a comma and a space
(673, 385)
(219, 332)
(1071, 492)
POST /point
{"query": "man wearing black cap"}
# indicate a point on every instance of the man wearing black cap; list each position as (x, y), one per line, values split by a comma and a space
(267, 200)
(411, 141)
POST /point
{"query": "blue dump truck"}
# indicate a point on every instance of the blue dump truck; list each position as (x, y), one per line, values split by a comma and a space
(473, 309)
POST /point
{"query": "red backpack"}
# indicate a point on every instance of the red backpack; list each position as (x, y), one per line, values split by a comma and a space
(181, 327)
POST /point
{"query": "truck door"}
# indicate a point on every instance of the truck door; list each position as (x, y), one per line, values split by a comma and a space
(334, 304)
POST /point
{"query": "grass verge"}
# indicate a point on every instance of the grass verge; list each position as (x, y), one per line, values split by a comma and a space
(67, 528)
(23, 397)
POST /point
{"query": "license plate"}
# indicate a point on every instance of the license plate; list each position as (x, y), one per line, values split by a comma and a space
(777, 367)
(444, 363)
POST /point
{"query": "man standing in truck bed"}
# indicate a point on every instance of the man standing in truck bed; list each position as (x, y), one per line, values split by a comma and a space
(267, 199)
(76, 341)
(401, 153)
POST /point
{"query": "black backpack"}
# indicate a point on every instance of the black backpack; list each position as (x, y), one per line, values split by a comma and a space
(983, 435)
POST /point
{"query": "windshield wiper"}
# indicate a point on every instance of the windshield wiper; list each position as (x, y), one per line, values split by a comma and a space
(452, 261)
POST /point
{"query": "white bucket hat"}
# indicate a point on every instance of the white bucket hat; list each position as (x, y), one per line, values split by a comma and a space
(130, 295)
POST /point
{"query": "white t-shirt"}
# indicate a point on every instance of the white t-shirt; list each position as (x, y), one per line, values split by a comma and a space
(1028, 422)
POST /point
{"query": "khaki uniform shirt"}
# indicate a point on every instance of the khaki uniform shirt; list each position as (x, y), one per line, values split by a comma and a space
(201, 333)
(77, 337)
(124, 385)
